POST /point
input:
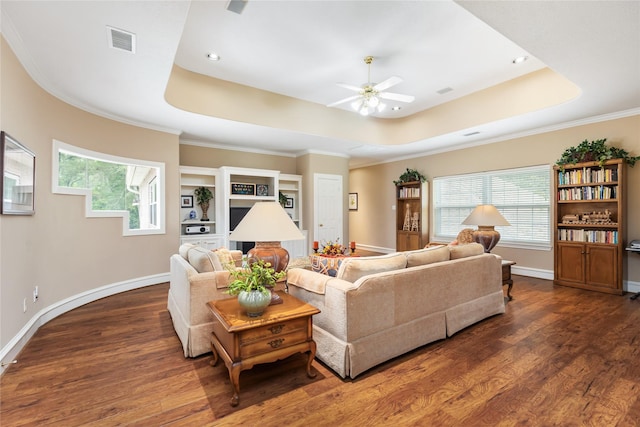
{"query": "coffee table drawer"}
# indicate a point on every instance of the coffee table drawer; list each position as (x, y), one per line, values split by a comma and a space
(271, 343)
(280, 328)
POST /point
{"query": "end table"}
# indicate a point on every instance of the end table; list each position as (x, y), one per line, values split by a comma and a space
(242, 341)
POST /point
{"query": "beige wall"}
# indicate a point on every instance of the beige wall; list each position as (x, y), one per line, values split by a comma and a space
(58, 249)
(373, 223)
(196, 155)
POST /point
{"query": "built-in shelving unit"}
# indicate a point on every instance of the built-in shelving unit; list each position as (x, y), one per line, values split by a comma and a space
(589, 231)
(195, 230)
(235, 190)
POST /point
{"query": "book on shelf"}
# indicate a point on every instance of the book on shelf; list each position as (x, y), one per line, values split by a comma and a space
(587, 176)
(588, 236)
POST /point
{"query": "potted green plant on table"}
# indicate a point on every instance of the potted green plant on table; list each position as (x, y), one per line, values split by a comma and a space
(203, 196)
(252, 286)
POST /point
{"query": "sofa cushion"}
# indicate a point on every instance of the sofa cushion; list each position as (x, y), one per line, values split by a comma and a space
(183, 250)
(203, 260)
(225, 258)
(353, 268)
(463, 251)
(427, 255)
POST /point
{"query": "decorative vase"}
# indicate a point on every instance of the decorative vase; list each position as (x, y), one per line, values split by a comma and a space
(254, 302)
(205, 208)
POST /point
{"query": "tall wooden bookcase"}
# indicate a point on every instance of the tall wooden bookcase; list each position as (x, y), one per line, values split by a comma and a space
(412, 220)
(590, 217)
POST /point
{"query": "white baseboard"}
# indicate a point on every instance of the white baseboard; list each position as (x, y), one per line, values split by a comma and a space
(10, 351)
(630, 286)
(375, 249)
(532, 272)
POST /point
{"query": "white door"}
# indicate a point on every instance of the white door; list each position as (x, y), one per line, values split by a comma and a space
(328, 208)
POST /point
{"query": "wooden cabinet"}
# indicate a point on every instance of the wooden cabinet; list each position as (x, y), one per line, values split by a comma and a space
(589, 222)
(412, 220)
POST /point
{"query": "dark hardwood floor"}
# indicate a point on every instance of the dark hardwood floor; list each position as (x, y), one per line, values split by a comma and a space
(558, 357)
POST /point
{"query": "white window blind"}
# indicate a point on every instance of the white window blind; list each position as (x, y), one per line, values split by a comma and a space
(522, 196)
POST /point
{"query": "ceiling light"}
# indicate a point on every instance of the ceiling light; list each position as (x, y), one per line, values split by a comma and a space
(396, 108)
(520, 59)
(213, 56)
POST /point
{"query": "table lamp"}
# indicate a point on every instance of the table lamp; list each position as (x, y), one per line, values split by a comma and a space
(486, 217)
(267, 224)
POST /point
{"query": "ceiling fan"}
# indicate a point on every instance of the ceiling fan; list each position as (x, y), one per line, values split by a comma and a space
(368, 99)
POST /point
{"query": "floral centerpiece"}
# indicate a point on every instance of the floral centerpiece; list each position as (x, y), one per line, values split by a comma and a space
(333, 248)
(328, 258)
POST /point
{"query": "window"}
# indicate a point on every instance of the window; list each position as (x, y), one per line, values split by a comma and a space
(113, 186)
(522, 196)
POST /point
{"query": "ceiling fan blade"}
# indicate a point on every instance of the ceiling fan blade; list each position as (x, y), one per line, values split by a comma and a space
(342, 101)
(350, 87)
(391, 81)
(397, 97)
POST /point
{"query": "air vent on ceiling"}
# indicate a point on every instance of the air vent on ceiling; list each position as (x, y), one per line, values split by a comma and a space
(121, 40)
(236, 6)
(444, 90)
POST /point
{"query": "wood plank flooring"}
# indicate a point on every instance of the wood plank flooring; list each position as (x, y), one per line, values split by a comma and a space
(558, 357)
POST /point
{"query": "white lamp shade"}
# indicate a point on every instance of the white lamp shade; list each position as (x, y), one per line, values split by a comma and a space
(485, 215)
(266, 222)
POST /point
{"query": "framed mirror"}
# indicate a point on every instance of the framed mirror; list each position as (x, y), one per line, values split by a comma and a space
(18, 177)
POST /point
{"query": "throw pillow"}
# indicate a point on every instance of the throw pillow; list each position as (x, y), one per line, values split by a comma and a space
(463, 251)
(353, 268)
(427, 256)
(225, 258)
(183, 250)
(203, 260)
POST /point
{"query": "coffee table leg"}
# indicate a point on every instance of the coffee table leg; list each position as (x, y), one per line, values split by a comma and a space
(312, 355)
(234, 376)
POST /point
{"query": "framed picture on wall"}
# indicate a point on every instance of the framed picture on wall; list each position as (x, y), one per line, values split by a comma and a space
(18, 177)
(186, 201)
(353, 201)
(289, 203)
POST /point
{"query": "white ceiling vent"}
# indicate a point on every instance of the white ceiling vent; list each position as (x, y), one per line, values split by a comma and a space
(121, 40)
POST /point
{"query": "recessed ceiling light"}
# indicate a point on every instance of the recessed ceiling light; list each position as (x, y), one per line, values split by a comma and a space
(520, 59)
(213, 56)
(396, 108)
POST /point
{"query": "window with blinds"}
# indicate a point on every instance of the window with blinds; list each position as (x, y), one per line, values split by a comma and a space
(521, 195)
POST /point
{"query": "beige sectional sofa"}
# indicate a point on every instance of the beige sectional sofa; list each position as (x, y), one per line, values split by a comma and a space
(377, 308)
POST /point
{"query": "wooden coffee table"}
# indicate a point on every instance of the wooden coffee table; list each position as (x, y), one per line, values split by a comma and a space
(242, 341)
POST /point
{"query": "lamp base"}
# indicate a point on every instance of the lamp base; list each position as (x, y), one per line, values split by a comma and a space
(274, 254)
(487, 236)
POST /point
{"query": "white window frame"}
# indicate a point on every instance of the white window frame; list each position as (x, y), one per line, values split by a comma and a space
(59, 146)
(483, 182)
(153, 201)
